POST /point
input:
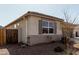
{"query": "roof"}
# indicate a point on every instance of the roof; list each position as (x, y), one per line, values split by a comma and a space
(71, 24)
(35, 14)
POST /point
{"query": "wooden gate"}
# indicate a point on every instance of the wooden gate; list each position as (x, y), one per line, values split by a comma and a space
(11, 36)
(2, 37)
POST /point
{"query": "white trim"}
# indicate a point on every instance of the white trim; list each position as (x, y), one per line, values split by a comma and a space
(76, 37)
(46, 27)
(49, 34)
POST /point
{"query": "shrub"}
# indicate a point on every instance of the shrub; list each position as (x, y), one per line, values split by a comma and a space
(58, 49)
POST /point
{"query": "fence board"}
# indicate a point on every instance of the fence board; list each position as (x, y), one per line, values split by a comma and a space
(2, 37)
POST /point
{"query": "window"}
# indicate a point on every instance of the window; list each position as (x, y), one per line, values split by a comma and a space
(48, 27)
(45, 30)
(77, 34)
(51, 30)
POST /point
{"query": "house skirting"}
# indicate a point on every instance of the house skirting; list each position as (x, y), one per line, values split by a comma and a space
(37, 39)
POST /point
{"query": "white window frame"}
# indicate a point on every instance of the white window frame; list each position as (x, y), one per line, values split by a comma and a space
(47, 27)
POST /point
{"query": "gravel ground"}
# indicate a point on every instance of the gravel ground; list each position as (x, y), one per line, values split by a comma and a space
(40, 49)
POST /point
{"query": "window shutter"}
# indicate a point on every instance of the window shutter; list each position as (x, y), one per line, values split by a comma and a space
(40, 26)
(55, 30)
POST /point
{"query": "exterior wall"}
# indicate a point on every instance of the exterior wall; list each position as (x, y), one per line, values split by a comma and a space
(76, 29)
(28, 31)
(33, 32)
(33, 26)
(59, 28)
(22, 30)
(33, 23)
(37, 39)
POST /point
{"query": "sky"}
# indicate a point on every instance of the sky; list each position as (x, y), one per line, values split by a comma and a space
(10, 12)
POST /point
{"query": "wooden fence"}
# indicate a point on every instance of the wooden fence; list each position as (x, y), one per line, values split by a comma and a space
(2, 37)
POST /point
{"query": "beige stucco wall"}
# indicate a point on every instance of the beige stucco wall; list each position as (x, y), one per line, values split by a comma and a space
(33, 26)
(59, 28)
(33, 32)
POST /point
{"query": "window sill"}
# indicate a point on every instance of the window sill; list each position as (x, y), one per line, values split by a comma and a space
(48, 34)
(76, 37)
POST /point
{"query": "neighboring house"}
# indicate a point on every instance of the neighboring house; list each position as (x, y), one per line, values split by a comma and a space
(76, 34)
(34, 28)
(76, 31)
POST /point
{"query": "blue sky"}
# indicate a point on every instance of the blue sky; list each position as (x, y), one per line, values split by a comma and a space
(10, 12)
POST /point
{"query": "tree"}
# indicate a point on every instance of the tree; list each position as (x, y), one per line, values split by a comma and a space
(69, 23)
(68, 27)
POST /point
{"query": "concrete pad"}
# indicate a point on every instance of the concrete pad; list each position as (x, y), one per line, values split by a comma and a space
(4, 52)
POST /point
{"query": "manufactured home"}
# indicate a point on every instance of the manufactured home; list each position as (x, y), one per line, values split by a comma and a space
(33, 28)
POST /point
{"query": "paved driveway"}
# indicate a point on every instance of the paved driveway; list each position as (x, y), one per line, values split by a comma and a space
(41, 49)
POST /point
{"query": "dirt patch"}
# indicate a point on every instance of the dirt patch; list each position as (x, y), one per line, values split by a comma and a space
(42, 49)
